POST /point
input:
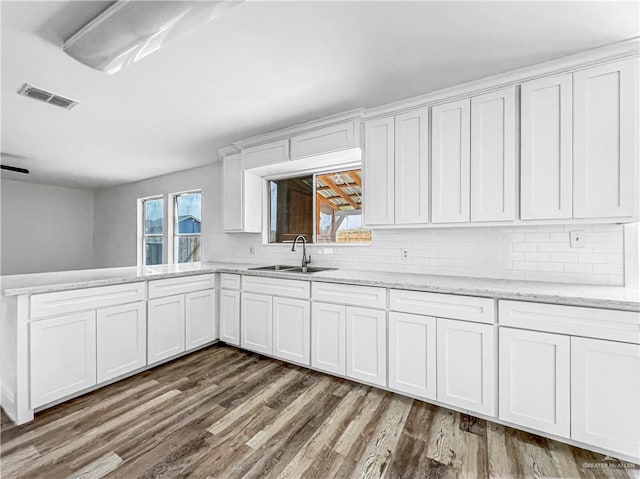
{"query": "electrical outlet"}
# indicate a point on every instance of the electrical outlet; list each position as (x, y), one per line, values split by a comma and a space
(252, 250)
(576, 239)
(404, 253)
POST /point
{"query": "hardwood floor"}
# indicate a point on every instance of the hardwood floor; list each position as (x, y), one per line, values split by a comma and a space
(227, 413)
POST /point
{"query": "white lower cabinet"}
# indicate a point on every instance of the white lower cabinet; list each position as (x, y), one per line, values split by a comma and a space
(328, 343)
(257, 320)
(165, 333)
(230, 316)
(367, 345)
(534, 380)
(412, 354)
(200, 318)
(121, 340)
(62, 356)
(466, 365)
(292, 330)
(605, 394)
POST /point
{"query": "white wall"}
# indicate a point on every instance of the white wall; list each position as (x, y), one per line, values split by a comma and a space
(116, 216)
(45, 228)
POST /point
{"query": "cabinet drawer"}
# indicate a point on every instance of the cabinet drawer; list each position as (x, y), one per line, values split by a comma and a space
(291, 288)
(572, 320)
(184, 284)
(467, 308)
(367, 296)
(229, 281)
(50, 304)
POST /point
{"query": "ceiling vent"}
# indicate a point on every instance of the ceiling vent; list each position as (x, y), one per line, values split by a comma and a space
(46, 96)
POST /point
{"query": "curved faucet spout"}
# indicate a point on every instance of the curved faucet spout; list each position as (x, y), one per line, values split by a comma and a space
(305, 259)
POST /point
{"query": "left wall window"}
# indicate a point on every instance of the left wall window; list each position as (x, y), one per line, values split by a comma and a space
(152, 231)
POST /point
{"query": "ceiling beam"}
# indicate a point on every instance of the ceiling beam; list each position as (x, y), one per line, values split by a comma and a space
(329, 181)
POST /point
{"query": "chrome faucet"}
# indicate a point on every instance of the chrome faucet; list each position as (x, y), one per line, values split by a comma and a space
(305, 259)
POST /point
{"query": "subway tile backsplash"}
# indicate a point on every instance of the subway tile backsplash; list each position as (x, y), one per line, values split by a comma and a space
(537, 253)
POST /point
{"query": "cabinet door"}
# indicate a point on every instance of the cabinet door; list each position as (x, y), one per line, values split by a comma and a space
(412, 167)
(605, 394)
(232, 193)
(165, 328)
(200, 318)
(412, 354)
(292, 330)
(121, 340)
(230, 316)
(257, 321)
(546, 148)
(451, 162)
(379, 172)
(63, 356)
(267, 154)
(367, 345)
(328, 343)
(493, 156)
(534, 380)
(466, 365)
(605, 139)
(325, 140)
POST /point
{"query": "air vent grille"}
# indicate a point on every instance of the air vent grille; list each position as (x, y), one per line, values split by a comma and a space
(46, 96)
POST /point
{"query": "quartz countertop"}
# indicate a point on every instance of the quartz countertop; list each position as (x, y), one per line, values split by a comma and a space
(612, 297)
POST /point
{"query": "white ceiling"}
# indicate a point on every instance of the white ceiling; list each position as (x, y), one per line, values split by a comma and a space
(261, 66)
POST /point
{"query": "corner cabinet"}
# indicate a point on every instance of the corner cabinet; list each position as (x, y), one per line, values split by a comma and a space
(605, 136)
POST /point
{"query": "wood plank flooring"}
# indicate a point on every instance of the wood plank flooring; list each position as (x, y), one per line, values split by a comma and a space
(227, 413)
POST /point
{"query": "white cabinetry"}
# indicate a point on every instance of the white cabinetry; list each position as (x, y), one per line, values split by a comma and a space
(230, 316)
(605, 135)
(165, 334)
(121, 339)
(605, 394)
(241, 197)
(63, 356)
(546, 139)
(257, 321)
(200, 323)
(325, 140)
(265, 154)
(493, 156)
(451, 162)
(396, 169)
(367, 345)
(292, 330)
(412, 354)
(378, 166)
(328, 342)
(534, 380)
(466, 365)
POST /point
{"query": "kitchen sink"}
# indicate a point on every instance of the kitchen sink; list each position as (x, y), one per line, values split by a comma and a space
(275, 267)
(292, 269)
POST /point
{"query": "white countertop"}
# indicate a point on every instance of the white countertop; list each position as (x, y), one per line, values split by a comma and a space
(612, 297)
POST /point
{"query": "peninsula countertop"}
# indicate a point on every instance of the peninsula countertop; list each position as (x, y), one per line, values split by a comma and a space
(610, 297)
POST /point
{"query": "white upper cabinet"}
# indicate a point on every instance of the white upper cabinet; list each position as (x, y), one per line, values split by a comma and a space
(451, 162)
(379, 172)
(241, 197)
(546, 148)
(266, 154)
(325, 140)
(493, 156)
(412, 167)
(605, 135)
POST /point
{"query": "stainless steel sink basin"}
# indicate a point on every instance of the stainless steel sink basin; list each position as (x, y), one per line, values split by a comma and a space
(307, 270)
(274, 267)
(291, 269)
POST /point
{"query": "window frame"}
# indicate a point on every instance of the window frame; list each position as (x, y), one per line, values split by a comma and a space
(172, 227)
(299, 174)
(142, 234)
